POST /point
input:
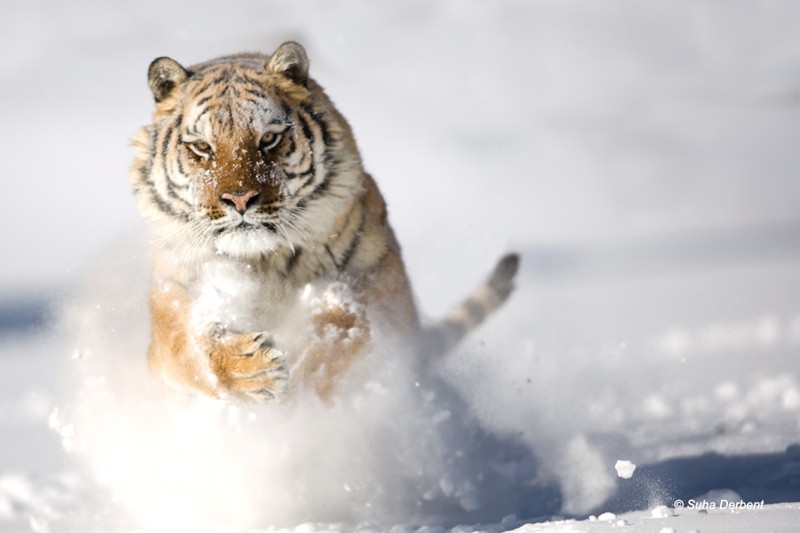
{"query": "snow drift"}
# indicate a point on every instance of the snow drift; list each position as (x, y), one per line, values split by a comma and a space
(392, 447)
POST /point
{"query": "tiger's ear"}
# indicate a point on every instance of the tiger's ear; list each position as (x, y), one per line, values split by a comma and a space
(291, 62)
(164, 75)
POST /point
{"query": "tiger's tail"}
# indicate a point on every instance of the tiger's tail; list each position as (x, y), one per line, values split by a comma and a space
(443, 336)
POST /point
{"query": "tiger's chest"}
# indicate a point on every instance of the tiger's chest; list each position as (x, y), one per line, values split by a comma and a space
(242, 296)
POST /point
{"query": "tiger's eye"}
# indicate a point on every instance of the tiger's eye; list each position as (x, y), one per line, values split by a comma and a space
(269, 141)
(201, 149)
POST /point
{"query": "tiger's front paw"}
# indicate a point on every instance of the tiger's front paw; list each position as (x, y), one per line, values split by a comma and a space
(249, 367)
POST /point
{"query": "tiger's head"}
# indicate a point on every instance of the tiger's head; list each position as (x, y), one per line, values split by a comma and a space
(245, 155)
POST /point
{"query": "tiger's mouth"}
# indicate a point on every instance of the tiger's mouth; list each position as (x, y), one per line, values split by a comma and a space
(244, 225)
(246, 239)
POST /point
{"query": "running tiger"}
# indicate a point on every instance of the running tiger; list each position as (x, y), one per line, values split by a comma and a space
(274, 261)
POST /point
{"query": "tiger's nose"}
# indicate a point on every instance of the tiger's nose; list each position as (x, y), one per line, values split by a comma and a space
(240, 202)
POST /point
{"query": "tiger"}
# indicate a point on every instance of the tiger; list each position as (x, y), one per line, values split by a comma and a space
(273, 260)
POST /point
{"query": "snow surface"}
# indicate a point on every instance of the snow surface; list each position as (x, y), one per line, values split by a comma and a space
(643, 158)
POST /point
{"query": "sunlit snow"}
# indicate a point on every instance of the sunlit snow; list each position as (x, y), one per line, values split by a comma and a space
(642, 158)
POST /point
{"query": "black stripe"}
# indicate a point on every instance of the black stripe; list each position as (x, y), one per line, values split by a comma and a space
(171, 191)
(354, 242)
(258, 93)
(165, 142)
(306, 183)
(144, 173)
(331, 162)
(292, 261)
(181, 170)
(244, 77)
(319, 120)
(224, 76)
(178, 164)
(198, 117)
(453, 329)
(306, 129)
(192, 129)
(292, 148)
(165, 150)
(302, 174)
(475, 310)
(165, 160)
(153, 143)
(205, 86)
(287, 110)
(203, 100)
(173, 187)
(200, 90)
(320, 189)
(333, 257)
(312, 168)
(167, 207)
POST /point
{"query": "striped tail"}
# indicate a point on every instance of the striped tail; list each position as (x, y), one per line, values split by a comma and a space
(443, 336)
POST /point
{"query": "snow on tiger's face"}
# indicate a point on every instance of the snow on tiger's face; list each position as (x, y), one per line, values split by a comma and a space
(234, 161)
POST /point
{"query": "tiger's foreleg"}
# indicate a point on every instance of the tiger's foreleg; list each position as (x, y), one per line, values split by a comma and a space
(204, 358)
(342, 331)
(338, 337)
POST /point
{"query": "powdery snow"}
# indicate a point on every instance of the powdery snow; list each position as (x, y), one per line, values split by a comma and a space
(779, 518)
(625, 469)
(642, 158)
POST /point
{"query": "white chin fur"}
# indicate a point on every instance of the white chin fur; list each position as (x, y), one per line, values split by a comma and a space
(246, 243)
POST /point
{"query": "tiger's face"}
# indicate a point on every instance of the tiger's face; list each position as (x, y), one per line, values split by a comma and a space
(244, 153)
(233, 159)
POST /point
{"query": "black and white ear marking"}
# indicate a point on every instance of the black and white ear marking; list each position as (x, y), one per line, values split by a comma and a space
(291, 62)
(163, 75)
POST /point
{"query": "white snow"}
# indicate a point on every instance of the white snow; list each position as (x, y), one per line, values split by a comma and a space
(662, 511)
(624, 468)
(641, 156)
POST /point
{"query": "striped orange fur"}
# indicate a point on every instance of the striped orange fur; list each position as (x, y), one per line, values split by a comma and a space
(273, 256)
